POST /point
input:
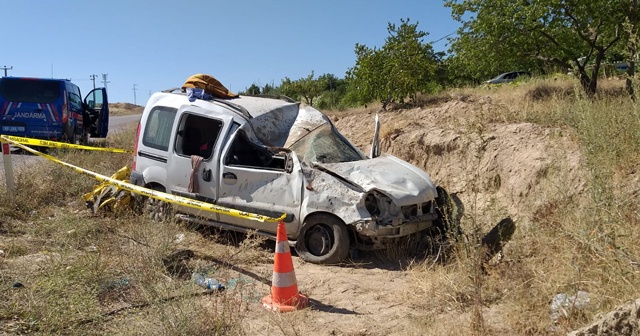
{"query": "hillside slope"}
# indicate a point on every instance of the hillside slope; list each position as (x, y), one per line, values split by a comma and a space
(499, 165)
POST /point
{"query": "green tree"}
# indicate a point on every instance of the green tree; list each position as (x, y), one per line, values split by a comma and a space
(367, 81)
(253, 90)
(307, 88)
(404, 66)
(512, 34)
(333, 91)
(270, 89)
(631, 27)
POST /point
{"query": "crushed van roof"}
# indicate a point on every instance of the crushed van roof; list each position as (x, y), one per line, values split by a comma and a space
(278, 122)
(275, 122)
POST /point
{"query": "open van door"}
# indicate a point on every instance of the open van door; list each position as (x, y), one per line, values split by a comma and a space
(98, 109)
(375, 143)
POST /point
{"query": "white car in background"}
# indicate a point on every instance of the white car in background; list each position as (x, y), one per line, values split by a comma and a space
(508, 77)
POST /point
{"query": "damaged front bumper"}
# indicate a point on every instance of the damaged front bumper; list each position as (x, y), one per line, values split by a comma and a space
(372, 235)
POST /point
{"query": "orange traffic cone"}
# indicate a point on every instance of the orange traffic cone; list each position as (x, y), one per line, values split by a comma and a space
(284, 287)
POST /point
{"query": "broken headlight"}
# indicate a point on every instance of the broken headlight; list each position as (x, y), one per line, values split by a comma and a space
(371, 204)
(380, 205)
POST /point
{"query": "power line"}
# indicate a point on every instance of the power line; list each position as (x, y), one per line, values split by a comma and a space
(134, 94)
(444, 37)
(5, 69)
(93, 79)
(104, 80)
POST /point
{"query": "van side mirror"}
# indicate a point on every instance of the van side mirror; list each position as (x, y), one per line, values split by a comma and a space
(288, 163)
(91, 103)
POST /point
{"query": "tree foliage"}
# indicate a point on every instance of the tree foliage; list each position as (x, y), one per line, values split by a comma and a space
(404, 66)
(333, 92)
(253, 90)
(307, 88)
(499, 35)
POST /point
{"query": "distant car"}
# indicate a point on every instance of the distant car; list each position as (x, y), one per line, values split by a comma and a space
(508, 77)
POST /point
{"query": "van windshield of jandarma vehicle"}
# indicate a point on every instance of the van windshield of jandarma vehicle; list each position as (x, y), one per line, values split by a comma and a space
(326, 145)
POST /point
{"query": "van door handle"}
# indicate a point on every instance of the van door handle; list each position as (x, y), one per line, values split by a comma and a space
(206, 174)
(229, 178)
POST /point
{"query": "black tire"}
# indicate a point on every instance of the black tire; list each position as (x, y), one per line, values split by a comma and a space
(74, 138)
(449, 211)
(324, 239)
(84, 137)
(70, 136)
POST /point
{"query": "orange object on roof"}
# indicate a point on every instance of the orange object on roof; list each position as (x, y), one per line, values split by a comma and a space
(209, 84)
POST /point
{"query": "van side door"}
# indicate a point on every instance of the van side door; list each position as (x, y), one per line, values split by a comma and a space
(192, 167)
(97, 106)
(257, 180)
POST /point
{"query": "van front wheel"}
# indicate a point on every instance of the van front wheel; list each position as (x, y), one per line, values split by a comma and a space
(84, 137)
(324, 239)
(70, 135)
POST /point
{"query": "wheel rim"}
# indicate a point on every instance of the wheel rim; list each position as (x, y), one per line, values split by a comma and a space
(319, 240)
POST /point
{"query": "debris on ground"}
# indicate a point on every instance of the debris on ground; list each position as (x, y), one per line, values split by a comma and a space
(563, 305)
(107, 196)
(203, 280)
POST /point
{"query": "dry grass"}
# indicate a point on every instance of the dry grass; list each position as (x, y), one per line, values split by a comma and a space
(66, 271)
(586, 243)
(82, 274)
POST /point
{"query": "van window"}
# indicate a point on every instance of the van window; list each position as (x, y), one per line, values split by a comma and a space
(75, 99)
(73, 88)
(157, 131)
(197, 135)
(326, 145)
(29, 90)
(244, 152)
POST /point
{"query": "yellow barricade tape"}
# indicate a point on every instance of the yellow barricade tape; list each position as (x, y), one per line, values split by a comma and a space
(188, 202)
(56, 144)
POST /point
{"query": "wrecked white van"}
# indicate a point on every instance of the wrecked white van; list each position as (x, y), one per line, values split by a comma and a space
(272, 157)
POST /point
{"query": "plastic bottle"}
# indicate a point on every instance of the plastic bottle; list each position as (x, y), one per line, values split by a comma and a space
(208, 283)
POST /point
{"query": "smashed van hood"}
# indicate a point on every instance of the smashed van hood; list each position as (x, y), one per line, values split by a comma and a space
(403, 182)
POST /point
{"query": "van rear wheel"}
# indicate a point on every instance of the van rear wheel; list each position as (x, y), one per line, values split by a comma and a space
(155, 209)
(324, 239)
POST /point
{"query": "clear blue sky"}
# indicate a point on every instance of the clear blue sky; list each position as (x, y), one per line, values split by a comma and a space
(158, 44)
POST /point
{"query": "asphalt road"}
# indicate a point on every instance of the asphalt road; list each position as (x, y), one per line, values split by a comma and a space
(19, 161)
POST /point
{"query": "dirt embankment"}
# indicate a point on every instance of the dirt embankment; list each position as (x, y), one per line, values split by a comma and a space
(118, 109)
(497, 166)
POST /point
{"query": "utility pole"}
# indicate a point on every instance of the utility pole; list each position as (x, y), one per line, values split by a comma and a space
(93, 78)
(104, 80)
(134, 94)
(5, 69)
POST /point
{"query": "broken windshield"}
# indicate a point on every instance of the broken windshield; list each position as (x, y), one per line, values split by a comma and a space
(326, 145)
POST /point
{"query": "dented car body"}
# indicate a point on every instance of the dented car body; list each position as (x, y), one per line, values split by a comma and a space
(272, 157)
